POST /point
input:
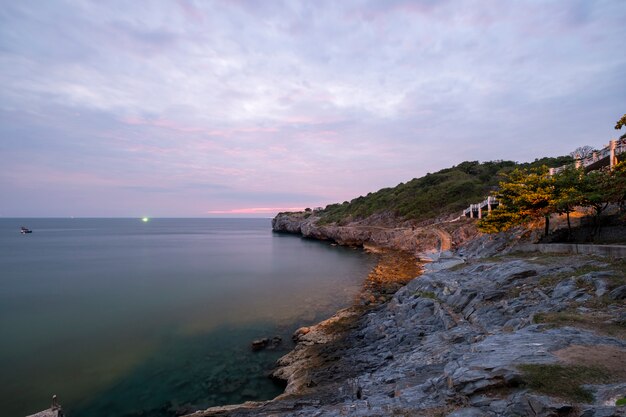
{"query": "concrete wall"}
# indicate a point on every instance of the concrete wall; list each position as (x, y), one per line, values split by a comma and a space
(613, 251)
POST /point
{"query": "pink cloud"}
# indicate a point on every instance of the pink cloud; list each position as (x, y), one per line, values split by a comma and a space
(255, 210)
(165, 123)
(173, 125)
(191, 12)
(255, 130)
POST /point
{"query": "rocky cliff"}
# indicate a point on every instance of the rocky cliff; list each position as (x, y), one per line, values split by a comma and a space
(512, 335)
(404, 236)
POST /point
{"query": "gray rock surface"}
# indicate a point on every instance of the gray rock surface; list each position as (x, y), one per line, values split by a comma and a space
(618, 293)
(449, 343)
(445, 336)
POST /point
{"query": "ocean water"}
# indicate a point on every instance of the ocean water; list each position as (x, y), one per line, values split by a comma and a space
(120, 317)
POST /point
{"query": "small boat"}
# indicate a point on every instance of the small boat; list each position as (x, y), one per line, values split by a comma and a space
(24, 230)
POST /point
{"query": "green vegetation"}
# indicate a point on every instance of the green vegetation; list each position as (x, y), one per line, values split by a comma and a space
(621, 402)
(427, 294)
(445, 191)
(564, 380)
(553, 279)
(527, 189)
(621, 123)
(599, 323)
(532, 193)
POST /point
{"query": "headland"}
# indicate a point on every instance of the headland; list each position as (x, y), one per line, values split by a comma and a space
(486, 330)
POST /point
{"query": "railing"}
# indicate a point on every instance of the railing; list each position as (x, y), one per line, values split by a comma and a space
(557, 170)
(614, 148)
(477, 208)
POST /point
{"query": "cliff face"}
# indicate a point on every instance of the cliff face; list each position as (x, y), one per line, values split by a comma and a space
(405, 237)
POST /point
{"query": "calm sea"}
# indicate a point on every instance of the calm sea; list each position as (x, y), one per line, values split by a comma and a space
(120, 317)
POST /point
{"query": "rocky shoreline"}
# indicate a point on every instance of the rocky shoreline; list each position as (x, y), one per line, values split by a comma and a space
(380, 233)
(507, 335)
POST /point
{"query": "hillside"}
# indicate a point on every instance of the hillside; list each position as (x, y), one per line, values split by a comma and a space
(445, 191)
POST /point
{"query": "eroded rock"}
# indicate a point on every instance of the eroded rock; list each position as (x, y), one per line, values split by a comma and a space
(450, 337)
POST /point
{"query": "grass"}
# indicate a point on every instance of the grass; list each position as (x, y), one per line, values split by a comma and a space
(564, 380)
(514, 292)
(551, 280)
(538, 257)
(619, 278)
(458, 267)
(584, 285)
(558, 318)
(595, 322)
(605, 264)
(427, 294)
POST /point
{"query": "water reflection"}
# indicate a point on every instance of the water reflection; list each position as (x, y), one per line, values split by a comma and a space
(125, 315)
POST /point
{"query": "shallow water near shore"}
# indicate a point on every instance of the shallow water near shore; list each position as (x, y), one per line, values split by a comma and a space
(123, 317)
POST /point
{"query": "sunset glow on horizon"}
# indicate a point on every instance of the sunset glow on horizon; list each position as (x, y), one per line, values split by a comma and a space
(256, 210)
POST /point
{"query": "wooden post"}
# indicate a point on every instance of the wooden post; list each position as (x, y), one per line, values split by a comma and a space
(480, 210)
(612, 157)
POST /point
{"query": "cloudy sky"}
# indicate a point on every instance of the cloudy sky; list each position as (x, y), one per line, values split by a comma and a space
(199, 108)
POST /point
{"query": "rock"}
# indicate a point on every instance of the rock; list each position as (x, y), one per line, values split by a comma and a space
(601, 287)
(608, 394)
(300, 332)
(538, 406)
(498, 406)
(267, 343)
(378, 232)
(480, 400)
(566, 290)
(468, 412)
(603, 412)
(442, 264)
(260, 344)
(618, 293)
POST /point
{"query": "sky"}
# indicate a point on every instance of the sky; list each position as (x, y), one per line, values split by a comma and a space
(245, 108)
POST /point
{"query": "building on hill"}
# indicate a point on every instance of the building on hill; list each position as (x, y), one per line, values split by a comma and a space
(608, 156)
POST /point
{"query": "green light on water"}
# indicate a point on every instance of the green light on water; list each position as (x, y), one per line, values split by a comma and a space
(145, 219)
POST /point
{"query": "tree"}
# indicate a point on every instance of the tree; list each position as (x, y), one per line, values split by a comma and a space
(539, 198)
(525, 194)
(596, 190)
(616, 192)
(568, 192)
(501, 219)
(621, 122)
(581, 152)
